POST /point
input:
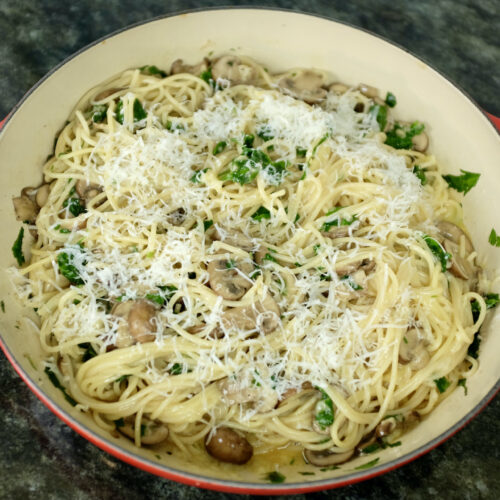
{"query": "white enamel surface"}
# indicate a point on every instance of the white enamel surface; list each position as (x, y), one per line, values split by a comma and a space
(461, 137)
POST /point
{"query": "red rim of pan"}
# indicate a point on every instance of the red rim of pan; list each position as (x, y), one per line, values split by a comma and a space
(220, 484)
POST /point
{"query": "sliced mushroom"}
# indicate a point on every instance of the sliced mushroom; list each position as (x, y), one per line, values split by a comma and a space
(368, 90)
(452, 236)
(152, 431)
(304, 84)
(324, 458)
(420, 142)
(412, 351)
(229, 278)
(235, 238)
(262, 315)
(338, 88)
(42, 195)
(365, 265)
(25, 208)
(337, 232)
(87, 190)
(215, 333)
(139, 322)
(392, 426)
(263, 399)
(177, 217)
(227, 445)
(179, 66)
(106, 93)
(233, 69)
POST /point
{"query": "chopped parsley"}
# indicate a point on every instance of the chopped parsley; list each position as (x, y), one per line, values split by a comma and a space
(420, 173)
(196, 177)
(261, 213)
(462, 183)
(265, 133)
(269, 257)
(139, 111)
(351, 283)
(166, 293)
(119, 423)
(321, 141)
(176, 369)
(153, 70)
(219, 147)
(380, 114)
(463, 383)
(339, 221)
(368, 464)
(207, 224)
(207, 77)
(67, 269)
(275, 477)
(307, 473)
(301, 152)
(439, 252)
(55, 382)
(325, 414)
(390, 99)
(74, 204)
(123, 378)
(99, 112)
(494, 239)
(442, 384)
(89, 351)
(2, 305)
(62, 230)
(492, 300)
(17, 248)
(400, 137)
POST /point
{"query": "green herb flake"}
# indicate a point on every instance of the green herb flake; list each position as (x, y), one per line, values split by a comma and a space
(153, 70)
(463, 383)
(325, 414)
(380, 114)
(176, 369)
(219, 147)
(400, 137)
(316, 249)
(158, 299)
(337, 222)
(371, 448)
(390, 99)
(494, 239)
(242, 171)
(307, 473)
(196, 177)
(438, 251)
(354, 286)
(473, 350)
(300, 152)
(492, 300)
(261, 213)
(265, 133)
(67, 269)
(119, 117)
(89, 351)
(330, 467)
(248, 140)
(368, 464)
(139, 111)
(74, 204)
(17, 248)
(99, 112)
(207, 224)
(462, 183)
(318, 144)
(442, 384)
(55, 382)
(420, 173)
(275, 477)
(207, 77)
(123, 378)
(2, 305)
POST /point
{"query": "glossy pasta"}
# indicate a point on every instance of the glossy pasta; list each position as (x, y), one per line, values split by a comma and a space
(243, 251)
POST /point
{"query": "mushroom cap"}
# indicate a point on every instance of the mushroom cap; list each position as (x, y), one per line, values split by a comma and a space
(412, 351)
(226, 445)
(233, 69)
(324, 458)
(452, 235)
(304, 84)
(229, 279)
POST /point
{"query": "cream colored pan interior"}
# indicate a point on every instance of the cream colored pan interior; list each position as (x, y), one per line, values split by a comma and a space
(461, 137)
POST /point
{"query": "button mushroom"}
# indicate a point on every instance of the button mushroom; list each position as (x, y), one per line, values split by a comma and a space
(452, 235)
(177, 217)
(86, 190)
(365, 265)
(235, 238)
(395, 425)
(304, 84)
(420, 142)
(368, 90)
(263, 399)
(412, 351)
(42, 195)
(227, 445)
(138, 322)
(338, 88)
(229, 278)
(325, 458)
(233, 69)
(337, 232)
(262, 315)
(25, 208)
(152, 431)
(179, 66)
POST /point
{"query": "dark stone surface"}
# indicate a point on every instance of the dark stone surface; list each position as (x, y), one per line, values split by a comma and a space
(41, 457)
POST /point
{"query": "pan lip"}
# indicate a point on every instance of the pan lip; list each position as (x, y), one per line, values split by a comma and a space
(203, 481)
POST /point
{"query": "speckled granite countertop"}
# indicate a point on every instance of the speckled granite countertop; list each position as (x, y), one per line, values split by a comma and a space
(41, 457)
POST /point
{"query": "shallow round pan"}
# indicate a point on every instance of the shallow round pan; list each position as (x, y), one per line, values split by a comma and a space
(461, 137)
